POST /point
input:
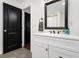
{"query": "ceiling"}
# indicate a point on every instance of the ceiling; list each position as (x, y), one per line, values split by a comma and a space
(18, 3)
(21, 1)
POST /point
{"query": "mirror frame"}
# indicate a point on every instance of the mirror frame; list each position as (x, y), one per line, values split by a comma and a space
(66, 15)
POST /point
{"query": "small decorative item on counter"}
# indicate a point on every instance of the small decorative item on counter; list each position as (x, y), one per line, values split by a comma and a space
(41, 24)
(66, 31)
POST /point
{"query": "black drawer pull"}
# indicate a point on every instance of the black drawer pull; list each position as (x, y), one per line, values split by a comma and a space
(60, 57)
(12, 33)
(46, 49)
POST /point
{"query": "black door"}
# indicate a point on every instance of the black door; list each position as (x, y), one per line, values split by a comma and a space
(27, 30)
(11, 28)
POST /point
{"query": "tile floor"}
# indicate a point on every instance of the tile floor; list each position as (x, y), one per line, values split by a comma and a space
(19, 53)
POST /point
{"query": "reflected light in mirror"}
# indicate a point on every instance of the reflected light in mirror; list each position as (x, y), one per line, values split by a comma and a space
(48, 0)
(63, 3)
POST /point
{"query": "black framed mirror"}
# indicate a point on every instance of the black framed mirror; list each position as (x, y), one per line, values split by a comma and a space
(56, 14)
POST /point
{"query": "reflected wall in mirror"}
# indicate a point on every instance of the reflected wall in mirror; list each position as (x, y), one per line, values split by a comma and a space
(56, 14)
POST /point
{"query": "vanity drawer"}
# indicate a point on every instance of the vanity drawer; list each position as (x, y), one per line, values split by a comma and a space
(56, 52)
(65, 43)
(41, 39)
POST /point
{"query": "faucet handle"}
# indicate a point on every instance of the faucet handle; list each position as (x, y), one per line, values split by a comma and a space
(54, 32)
(50, 31)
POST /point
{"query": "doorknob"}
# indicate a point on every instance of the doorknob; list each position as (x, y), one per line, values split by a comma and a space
(5, 30)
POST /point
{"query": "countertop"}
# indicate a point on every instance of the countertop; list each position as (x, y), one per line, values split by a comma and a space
(65, 36)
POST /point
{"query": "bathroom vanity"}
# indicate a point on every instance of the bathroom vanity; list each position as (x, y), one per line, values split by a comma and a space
(46, 45)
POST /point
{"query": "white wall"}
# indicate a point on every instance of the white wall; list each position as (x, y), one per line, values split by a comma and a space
(26, 3)
(37, 11)
(27, 10)
(74, 16)
(1, 27)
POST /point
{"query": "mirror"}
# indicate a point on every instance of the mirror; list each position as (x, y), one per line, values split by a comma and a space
(56, 14)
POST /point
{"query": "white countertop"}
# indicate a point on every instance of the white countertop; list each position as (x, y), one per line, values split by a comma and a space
(65, 36)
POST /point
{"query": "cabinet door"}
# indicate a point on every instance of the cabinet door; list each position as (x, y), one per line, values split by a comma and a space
(39, 50)
(57, 53)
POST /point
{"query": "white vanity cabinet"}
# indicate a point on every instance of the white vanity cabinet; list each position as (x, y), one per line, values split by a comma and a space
(39, 50)
(57, 53)
(51, 47)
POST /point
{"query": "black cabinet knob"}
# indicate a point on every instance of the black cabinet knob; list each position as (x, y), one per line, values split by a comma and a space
(46, 49)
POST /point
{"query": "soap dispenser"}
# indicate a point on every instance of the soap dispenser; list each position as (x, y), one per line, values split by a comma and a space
(66, 31)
